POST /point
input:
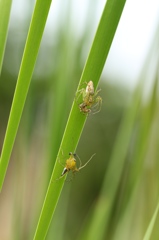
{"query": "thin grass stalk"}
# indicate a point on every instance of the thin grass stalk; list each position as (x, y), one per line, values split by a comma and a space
(92, 71)
(5, 7)
(25, 73)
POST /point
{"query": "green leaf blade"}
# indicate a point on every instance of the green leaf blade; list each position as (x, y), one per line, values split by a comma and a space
(5, 7)
(27, 66)
(151, 224)
(92, 71)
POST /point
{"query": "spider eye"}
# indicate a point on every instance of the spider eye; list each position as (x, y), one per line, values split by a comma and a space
(70, 153)
(74, 154)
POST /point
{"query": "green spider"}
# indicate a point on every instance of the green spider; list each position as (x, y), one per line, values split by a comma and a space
(91, 102)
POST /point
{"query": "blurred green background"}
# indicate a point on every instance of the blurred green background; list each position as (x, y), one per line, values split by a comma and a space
(60, 62)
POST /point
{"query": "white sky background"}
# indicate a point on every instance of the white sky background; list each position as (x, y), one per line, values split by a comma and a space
(132, 39)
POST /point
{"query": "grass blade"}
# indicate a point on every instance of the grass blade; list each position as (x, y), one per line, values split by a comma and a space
(5, 7)
(102, 213)
(75, 124)
(142, 141)
(27, 66)
(151, 225)
(99, 222)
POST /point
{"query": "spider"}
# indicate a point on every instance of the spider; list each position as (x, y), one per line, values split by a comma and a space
(90, 101)
(71, 164)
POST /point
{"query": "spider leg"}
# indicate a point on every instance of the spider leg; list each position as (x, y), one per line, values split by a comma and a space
(87, 162)
(97, 105)
(96, 93)
(79, 93)
(57, 179)
(79, 160)
(61, 163)
(71, 178)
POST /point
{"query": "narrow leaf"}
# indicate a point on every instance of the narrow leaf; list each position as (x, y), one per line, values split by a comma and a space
(27, 66)
(151, 224)
(92, 71)
(5, 7)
